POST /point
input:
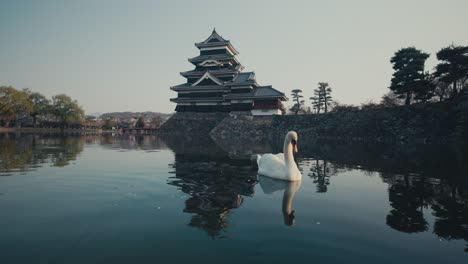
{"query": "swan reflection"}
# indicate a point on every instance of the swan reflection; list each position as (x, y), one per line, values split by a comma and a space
(270, 185)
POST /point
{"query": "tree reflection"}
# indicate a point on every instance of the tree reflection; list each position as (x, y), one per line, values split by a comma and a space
(131, 142)
(68, 149)
(14, 156)
(450, 208)
(319, 172)
(27, 152)
(407, 199)
(422, 178)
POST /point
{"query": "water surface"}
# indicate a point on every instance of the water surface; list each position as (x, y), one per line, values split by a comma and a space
(129, 199)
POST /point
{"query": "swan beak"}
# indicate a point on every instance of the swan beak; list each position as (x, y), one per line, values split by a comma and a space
(295, 148)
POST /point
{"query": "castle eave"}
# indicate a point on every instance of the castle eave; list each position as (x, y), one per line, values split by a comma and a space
(196, 100)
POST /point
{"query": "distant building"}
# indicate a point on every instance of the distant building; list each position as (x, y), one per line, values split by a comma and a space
(91, 122)
(217, 84)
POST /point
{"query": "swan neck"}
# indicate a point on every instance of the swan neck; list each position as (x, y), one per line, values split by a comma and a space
(288, 151)
(288, 197)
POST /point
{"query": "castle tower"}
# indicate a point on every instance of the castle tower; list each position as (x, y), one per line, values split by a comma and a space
(217, 84)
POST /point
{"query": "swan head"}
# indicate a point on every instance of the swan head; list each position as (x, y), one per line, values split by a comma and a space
(290, 219)
(291, 137)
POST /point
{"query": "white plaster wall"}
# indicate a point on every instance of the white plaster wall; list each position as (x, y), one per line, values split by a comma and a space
(266, 112)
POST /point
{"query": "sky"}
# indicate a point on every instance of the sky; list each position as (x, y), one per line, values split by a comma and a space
(115, 55)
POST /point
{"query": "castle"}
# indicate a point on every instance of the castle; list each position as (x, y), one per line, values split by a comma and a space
(217, 84)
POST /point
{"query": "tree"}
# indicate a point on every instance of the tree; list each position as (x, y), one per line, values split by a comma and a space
(156, 121)
(66, 110)
(12, 103)
(409, 76)
(40, 105)
(369, 105)
(140, 122)
(425, 91)
(325, 94)
(441, 89)
(453, 68)
(109, 123)
(390, 99)
(322, 98)
(340, 108)
(317, 102)
(298, 102)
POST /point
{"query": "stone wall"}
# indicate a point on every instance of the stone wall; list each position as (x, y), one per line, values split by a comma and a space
(243, 124)
(424, 122)
(445, 121)
(192, 123)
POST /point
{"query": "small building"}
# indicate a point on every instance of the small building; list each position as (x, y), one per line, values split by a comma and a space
(217, 84)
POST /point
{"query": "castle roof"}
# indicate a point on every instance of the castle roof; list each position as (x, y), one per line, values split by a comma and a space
(243, 78)
(215, 40)
(261, 92)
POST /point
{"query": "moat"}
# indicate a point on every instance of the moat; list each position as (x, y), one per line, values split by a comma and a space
(134, 198)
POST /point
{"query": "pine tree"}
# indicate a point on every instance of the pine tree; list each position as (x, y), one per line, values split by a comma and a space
(409, 77)
(322, 97)
(298, 102)
(453, 68)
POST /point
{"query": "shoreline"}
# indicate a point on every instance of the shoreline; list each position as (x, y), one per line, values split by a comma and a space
(54, 130)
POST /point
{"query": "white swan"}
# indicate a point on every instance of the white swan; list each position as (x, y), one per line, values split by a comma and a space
(281, 166)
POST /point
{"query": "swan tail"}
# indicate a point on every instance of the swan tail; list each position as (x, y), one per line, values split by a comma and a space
(256, 159)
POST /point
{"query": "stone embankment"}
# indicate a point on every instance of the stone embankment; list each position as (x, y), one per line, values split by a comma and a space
(438, 122)
(190, 123)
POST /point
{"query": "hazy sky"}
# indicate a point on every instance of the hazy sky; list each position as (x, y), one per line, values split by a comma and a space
(124, 55)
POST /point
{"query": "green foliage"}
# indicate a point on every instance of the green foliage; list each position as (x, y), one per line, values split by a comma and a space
(16, 103)
(66, 110)
(109, 124)
(12, 103)
(317, 102)
(425, 91)
(298, 102)
(409, 77)
(40, 105)
(453, 68)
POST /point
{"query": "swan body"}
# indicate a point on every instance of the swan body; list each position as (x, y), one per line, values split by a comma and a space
(282, 165)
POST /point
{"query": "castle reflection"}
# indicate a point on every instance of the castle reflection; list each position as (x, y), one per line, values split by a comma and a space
(215, 183)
